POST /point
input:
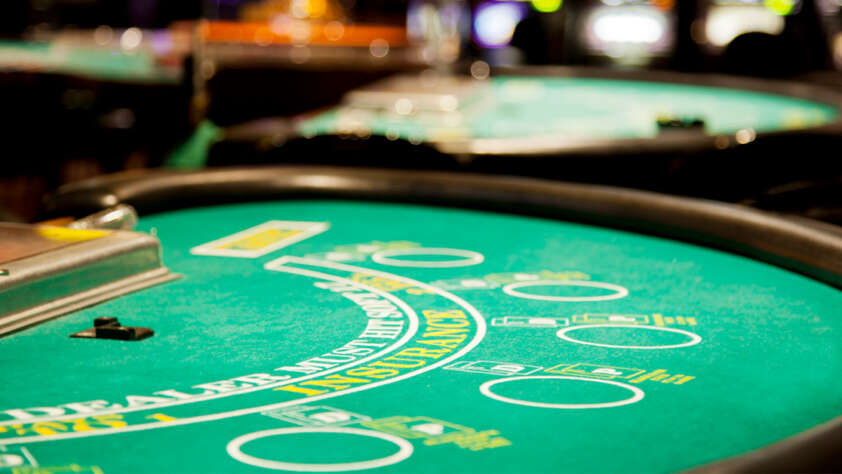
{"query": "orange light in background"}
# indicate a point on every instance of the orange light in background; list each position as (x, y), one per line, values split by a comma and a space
(267, 10)
(316, 8)
(664, 5)
(320, 34)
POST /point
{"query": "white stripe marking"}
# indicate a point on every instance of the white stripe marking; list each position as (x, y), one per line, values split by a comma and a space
(413, 328)
(480, 334)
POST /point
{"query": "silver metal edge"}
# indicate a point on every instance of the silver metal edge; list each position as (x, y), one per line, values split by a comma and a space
(84, 299)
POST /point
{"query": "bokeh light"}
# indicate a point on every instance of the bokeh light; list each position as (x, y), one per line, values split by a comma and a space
(724, 23)
(780, 7)
(627, 25)
(495, 22)
(546, 6)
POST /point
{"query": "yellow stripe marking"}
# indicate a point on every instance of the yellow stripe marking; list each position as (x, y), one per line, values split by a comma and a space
(647, 376)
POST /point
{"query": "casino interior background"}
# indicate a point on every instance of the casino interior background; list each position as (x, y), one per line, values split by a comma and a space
(96, 86)
(737, 102)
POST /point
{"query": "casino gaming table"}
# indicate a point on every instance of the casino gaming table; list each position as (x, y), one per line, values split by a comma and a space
(84, 58)
(657, 130)
(337, 320)
(70, 86)
(256, 69)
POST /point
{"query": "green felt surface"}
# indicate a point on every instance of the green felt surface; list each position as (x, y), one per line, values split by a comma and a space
(522, 107)
(90, 61)
(193, 152)
(766, 366)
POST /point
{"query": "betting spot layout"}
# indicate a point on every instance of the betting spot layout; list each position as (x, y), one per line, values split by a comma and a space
(385, 336)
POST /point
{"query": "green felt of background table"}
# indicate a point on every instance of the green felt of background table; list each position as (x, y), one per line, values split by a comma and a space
(87, 61)
(520, 106)
(766, 368)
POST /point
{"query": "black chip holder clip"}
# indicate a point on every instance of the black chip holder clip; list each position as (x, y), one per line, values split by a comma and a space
(107, 327)
(669, 124)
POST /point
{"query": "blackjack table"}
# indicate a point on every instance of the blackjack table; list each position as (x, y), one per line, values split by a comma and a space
(706, 135)
(80, 56)
(327, 319)
(94, 90)
(253, 69)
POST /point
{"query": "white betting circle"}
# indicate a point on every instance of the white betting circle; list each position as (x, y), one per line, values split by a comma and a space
(467, 258)
(619, 292)
(234, 450)
(10, 460)
(694, 338)
(485, 389)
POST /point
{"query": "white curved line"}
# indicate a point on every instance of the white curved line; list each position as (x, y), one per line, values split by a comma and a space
(619, 291)
(411, 330)
(469, 257)
(234, 450)
(694, 338)
(485, 389)
(478, 336)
